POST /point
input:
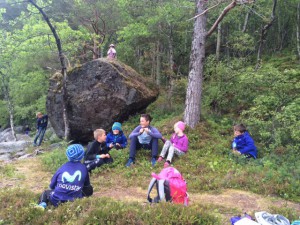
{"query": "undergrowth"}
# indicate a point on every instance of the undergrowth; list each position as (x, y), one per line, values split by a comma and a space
(207, 167)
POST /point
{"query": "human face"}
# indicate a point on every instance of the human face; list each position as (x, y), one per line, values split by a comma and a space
(237, 133)
(144, 123)
(116, 131)
(102, 138)
(176, 129)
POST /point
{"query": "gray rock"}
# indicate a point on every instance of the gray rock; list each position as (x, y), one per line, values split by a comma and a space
(25, 156)
(13, 146)
(6, 136)
(5, 157)
(55, 145)
(99, 93)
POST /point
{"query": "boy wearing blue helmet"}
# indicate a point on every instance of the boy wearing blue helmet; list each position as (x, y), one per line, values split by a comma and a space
(70, 181)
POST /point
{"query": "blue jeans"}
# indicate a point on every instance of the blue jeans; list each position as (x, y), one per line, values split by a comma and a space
(135, 145)
(39, 135)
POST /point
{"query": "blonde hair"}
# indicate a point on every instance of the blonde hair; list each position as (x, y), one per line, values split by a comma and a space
(39, 114)
(98, 132)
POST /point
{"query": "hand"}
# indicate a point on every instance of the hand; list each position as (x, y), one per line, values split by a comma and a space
(118, 144)
(142, 130)
(111, 145)
(102, 156)
(147, 130)
(236, 152)
(107, 156)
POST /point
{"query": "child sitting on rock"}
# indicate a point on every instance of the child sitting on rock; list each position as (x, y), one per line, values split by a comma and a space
(116, 138)
(178, 144)
(242, 143)
(70, 181)
(97, 152)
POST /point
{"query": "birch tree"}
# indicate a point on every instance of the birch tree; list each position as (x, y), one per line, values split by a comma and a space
(63, 66)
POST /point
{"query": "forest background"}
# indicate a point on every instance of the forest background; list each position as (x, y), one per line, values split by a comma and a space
(251, 71)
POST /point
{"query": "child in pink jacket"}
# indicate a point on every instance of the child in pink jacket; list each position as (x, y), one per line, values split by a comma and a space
(178, 144)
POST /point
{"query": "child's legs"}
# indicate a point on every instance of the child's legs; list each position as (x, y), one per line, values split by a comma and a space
(134, 145)
(108, 160)
(87, 191)
(92, 164)
(154, 147)
(42, 135)
(37, 135)
(173, 150)
(45, 197)
(165, 148)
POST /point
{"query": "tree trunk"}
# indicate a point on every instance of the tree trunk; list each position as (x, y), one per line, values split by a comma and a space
(194, 89)
(171, 67)
(298, 30)
(153, 62)
(95, 48)
(246, 22)
(63, 68)
(9, 105)
(263, 35)
(158, 63)
(218, 42)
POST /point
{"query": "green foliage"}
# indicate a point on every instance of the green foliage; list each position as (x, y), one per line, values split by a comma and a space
(7, 170)
(54, 159)
(98, 211)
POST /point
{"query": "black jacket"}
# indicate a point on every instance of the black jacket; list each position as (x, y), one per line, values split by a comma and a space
(95, 148)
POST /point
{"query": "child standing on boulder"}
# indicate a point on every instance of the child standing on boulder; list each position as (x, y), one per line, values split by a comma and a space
(70, 181)
(97, 152)
(116, 138)
(111, 53)
(177, 144)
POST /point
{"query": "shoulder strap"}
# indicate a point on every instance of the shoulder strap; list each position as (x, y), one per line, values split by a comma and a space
(152, 182)
(160, 191)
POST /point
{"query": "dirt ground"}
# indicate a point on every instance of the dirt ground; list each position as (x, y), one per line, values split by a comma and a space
(29, 176)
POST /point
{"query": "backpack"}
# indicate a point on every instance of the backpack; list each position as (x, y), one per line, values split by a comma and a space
(170, 187)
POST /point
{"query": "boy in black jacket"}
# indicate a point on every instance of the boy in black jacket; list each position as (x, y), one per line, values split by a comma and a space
(97, 152)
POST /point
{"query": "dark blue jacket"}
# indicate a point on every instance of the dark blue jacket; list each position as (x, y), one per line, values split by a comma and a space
(42, 122)
(245, 144)
(68, 182)
(119, 138)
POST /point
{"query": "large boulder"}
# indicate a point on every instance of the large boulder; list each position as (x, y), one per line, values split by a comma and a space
(99, 93)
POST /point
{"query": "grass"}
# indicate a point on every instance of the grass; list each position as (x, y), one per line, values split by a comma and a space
(120, 193)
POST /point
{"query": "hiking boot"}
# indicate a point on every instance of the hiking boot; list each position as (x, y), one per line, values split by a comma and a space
(166, 164)
(160, 159)
(153, 161)
(129, 162)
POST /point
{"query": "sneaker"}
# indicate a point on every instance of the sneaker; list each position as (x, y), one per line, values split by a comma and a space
(153, 161)
(160, 159)
(166, 164)
(129, 162)
(42, 206)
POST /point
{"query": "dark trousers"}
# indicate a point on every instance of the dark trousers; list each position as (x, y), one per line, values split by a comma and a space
(39, 135)
(45, 196)
(135, 145)
(93, 164)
